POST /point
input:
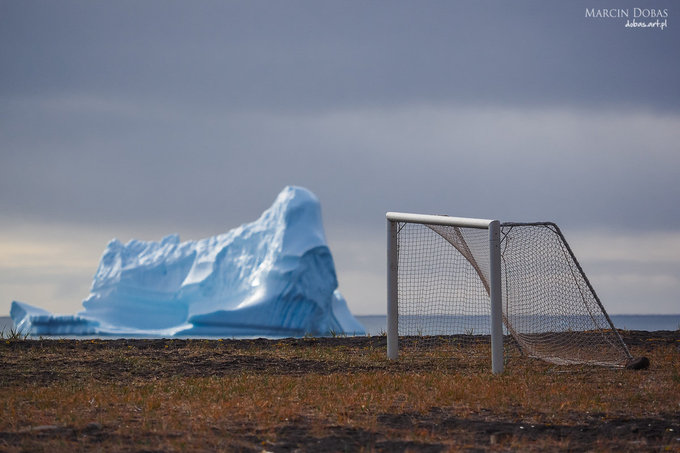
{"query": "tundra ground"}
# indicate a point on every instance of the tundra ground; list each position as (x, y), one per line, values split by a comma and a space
(328, 394)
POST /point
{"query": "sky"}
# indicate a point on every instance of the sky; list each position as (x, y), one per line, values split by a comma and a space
(137, 119)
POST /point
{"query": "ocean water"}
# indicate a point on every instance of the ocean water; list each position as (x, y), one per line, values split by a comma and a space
(377, 324)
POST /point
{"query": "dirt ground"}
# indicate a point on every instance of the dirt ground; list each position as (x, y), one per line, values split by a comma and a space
(44, 364)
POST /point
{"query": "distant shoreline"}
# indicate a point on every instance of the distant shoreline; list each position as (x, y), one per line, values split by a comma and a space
(377, 324)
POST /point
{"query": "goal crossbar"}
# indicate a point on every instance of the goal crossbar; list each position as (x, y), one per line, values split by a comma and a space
(428, 219)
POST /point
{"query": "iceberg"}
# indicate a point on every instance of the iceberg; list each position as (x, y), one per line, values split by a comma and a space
(272, 277)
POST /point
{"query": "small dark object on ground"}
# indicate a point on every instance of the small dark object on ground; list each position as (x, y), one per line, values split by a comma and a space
(638, 363)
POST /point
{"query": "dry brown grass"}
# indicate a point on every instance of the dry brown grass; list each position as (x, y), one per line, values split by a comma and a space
(315, 394)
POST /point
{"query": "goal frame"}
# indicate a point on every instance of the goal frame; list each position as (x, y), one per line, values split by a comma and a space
(495, 285)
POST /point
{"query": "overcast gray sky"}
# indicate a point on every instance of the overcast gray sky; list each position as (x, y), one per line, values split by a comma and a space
(140, 119)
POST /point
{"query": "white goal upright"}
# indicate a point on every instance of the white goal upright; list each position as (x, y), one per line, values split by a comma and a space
(453, 276)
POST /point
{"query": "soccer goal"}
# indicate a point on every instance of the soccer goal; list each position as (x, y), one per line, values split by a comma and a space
(461, 277)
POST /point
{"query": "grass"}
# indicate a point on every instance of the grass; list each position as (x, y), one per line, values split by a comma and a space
(13, 334)
(269, 395)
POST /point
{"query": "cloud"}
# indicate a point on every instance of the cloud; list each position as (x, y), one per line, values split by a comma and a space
(51, 266)
(632, 272)
(139, 120)
(307, 56)
(642, 247)
(575, 166)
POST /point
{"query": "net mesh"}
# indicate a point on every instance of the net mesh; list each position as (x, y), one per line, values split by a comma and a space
(549, 309)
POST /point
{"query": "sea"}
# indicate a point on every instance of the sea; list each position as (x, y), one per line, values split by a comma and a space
(377, 324)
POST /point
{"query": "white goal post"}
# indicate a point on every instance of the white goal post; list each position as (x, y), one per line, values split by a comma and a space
(493, 226)
(460, 279)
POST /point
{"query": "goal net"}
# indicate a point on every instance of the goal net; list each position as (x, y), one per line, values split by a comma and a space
(441, 275)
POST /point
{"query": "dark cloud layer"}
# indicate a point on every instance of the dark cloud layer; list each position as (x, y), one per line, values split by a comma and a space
(169, 112)
(322, 55)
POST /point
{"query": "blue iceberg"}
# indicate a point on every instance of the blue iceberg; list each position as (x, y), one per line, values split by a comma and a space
(271, 277)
